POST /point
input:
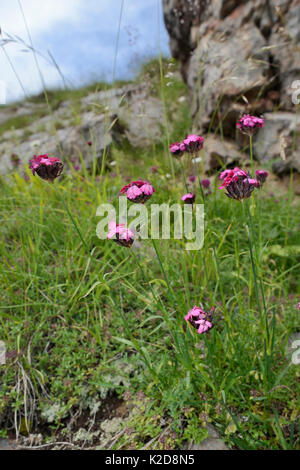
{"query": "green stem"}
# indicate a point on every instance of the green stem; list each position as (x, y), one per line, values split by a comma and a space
(71, 218)
(254, 272)
(183, 174)
(251, 154)
(198, 177)
(162, 269)
(252, 259)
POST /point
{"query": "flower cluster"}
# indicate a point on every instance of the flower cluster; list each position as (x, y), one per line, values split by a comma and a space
(47, 168)
(239, 184)
(250, 124)
(200, 319)
(192, 144)
(177, 149)
(138, 191)
(120, 234)
(205, 184)
(189, 198)
(261, 176)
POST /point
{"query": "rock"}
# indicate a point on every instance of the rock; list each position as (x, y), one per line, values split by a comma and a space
(213, 442)
(219, 153)
(126, 113)
(279, 139)
(293, 348)
(239, 56)
(286, 53)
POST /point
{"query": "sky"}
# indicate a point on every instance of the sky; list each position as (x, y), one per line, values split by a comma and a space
(81, 35)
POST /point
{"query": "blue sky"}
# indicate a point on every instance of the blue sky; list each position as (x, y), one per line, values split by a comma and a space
(81, 35)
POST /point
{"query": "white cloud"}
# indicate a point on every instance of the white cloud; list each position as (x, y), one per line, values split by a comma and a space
(80, 32)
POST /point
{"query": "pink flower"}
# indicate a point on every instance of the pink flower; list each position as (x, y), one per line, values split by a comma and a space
(89, 143)
(194, 143)
(261, 176)
(205, 183)
(200, 319)
(188, 198)
(238, 183)
(133, 193)
(138, 191)
(177, 149)
(298, 306)
(250, 124)
(192, 179)
(120, 234)
(252, 181)
(225, 175)
(47, 168)
(137, 183)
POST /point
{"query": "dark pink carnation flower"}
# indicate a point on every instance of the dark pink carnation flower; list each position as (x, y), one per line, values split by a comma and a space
(250, 124)
(188, 198)
(261, 176)
(137, 183)
(238, 183)
(89, 143)
(47, 168)
(200, 319)
(177, 149)
(192, 178)
(120, 234)
(298, 306)
(138, 191)
(205, 183)
(230, 174)
(194, 143)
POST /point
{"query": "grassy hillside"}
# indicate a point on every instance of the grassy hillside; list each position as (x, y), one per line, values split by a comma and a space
(98, 350)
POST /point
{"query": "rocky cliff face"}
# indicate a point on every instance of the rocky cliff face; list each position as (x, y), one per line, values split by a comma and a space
(241, 56)
(72, 132)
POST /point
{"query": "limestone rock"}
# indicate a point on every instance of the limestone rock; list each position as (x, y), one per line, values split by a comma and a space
(240, 56)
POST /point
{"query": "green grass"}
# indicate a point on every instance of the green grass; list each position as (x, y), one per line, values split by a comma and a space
(71, 322)
(81, 329)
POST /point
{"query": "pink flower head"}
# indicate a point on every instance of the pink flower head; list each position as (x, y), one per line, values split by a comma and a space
(120, 234)
(47, 168)
(298, 307)
(252, 181)
(205, 184)
(192, 179)
(138, 191)
(200, 319)
(250, 124)
(225, 175)
(89, 143)
(177, 149)
(261, 176)
(194, 143)
(188, 198)
(138, 183)
(238, 183)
